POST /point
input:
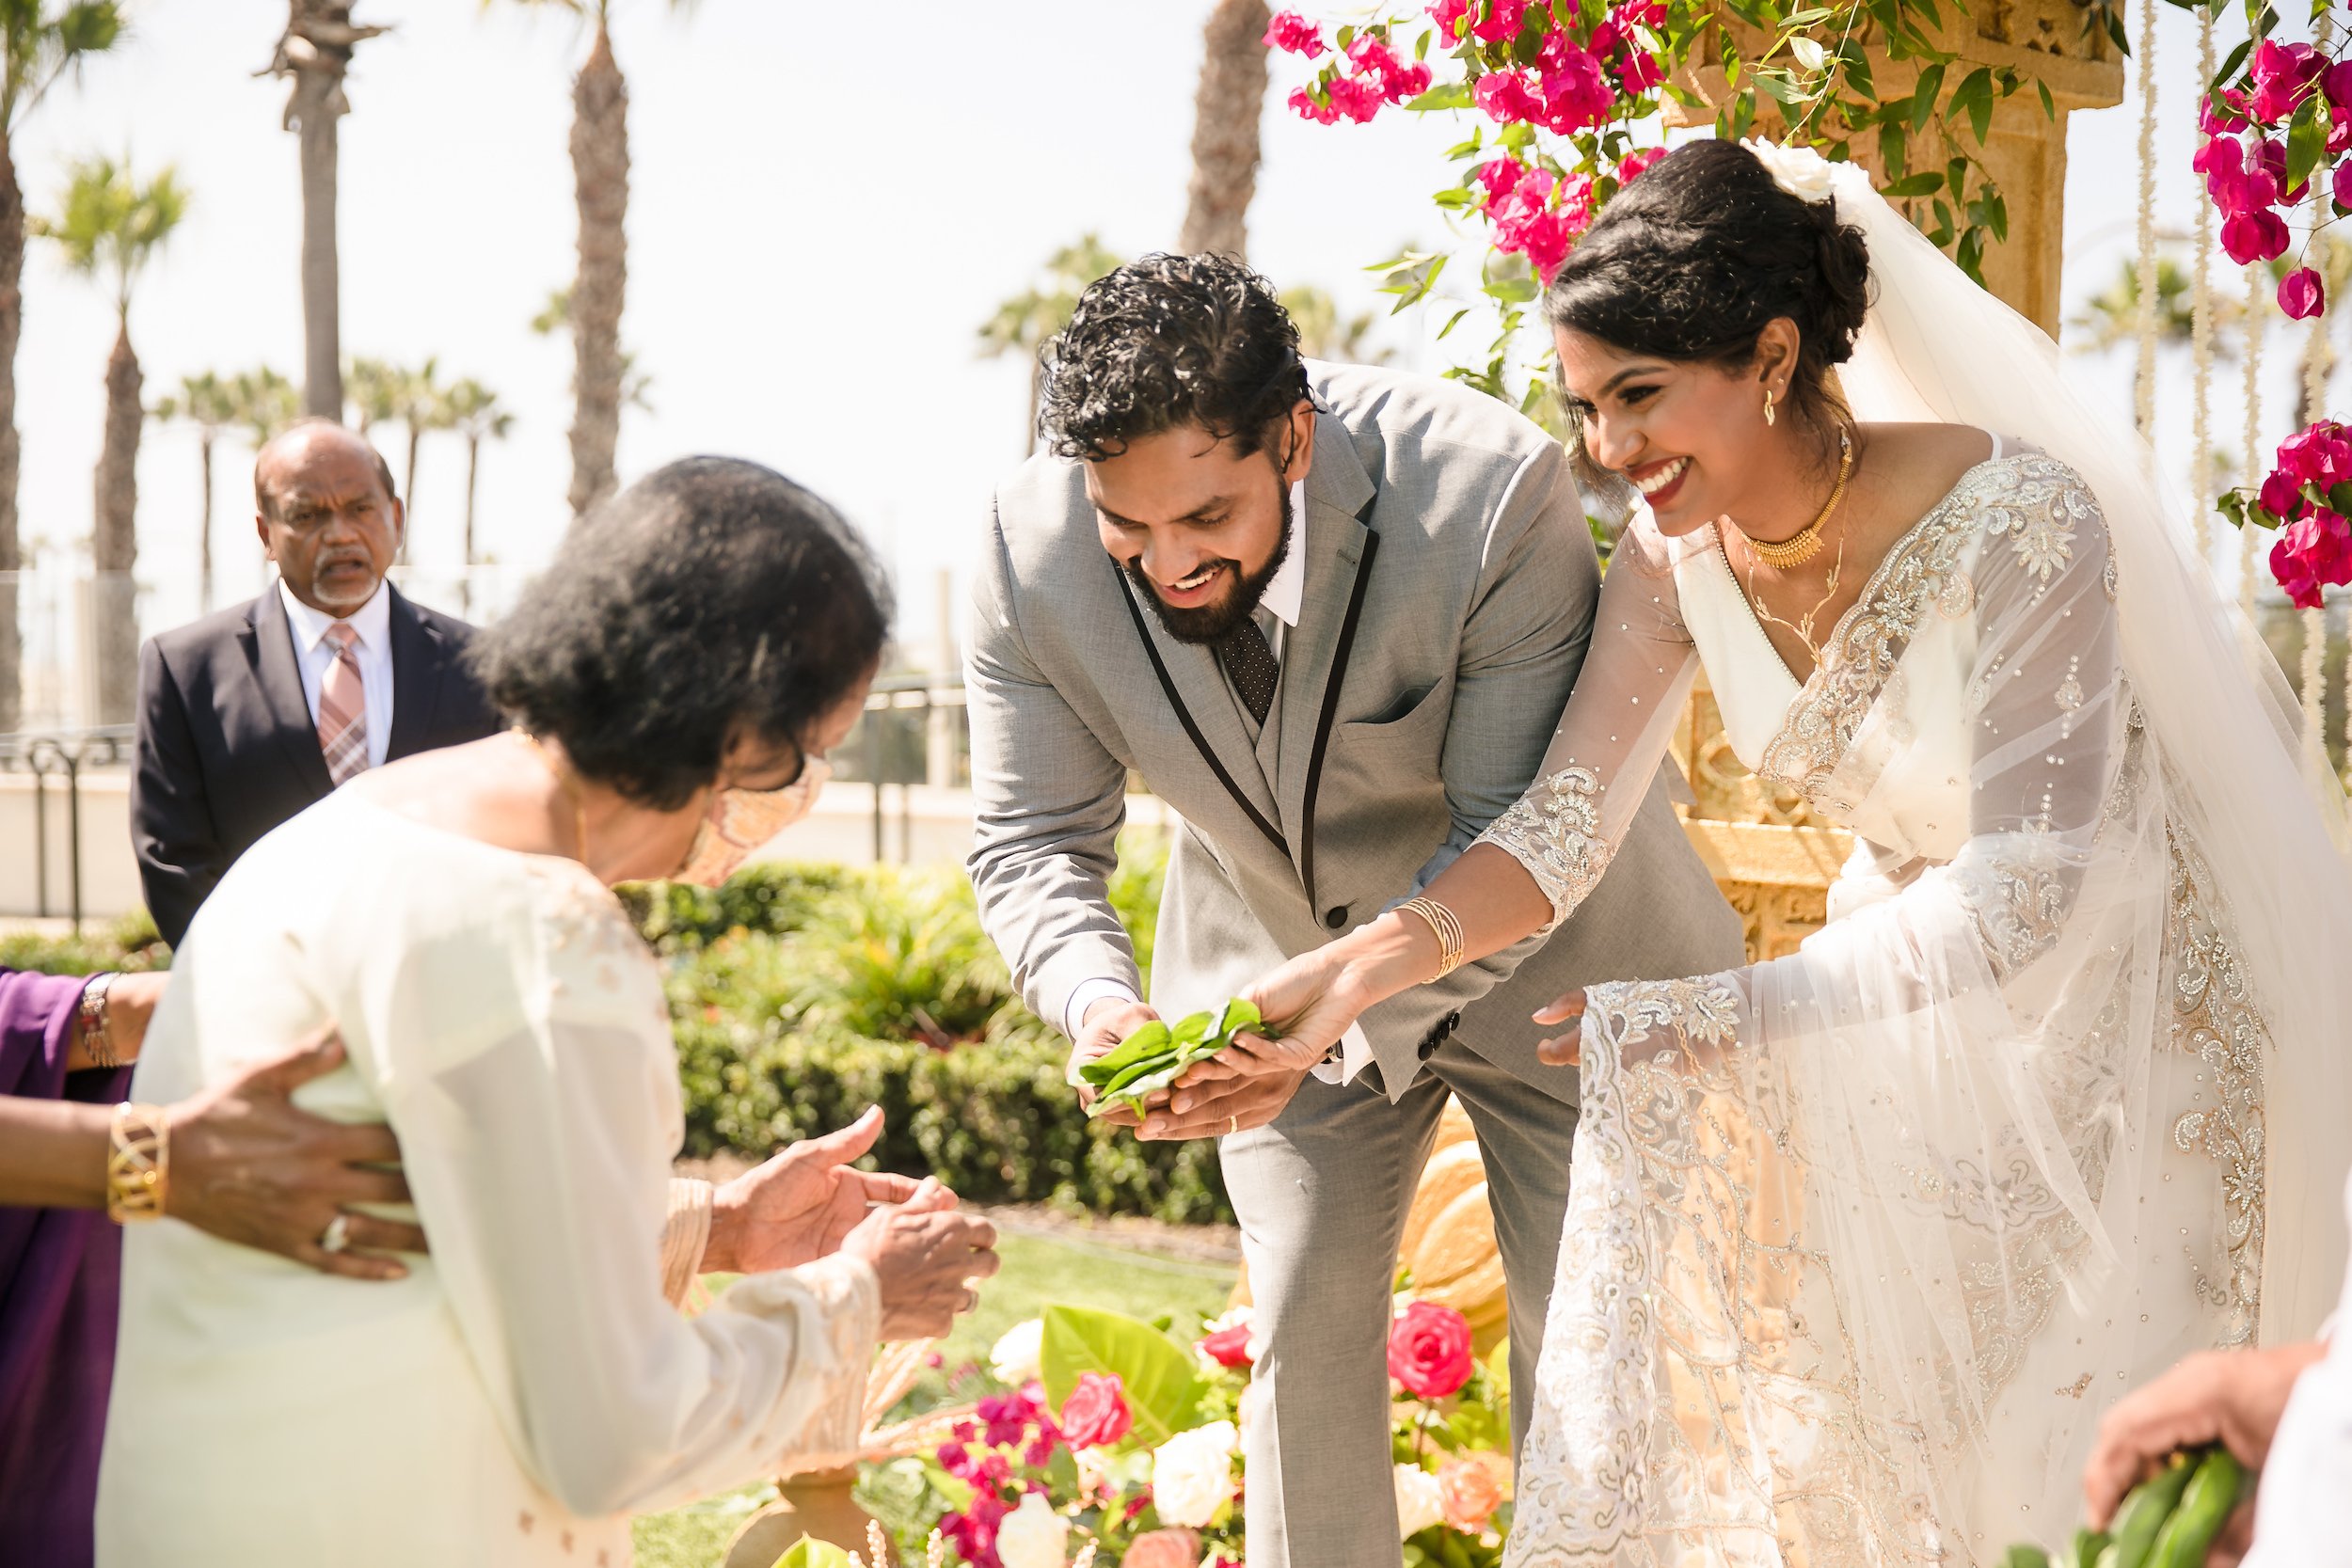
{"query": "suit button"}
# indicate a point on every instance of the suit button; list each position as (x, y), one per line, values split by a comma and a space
(1335, 916)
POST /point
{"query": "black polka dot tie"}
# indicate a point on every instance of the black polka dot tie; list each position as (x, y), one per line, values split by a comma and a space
(1249, 665)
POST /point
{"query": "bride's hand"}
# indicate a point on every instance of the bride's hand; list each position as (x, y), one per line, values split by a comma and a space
(1562, 1050)
(1310, 1001)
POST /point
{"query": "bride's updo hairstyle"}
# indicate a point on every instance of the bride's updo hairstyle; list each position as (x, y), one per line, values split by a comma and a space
(1693, 258)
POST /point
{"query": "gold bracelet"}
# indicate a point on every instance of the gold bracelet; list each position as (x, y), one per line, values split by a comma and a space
(95, 1019)
(1446, 926)
(138, 1166)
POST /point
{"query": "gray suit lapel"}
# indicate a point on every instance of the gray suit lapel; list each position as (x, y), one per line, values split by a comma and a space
(1337, 489)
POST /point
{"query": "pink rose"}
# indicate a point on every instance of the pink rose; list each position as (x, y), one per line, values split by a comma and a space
(1096, 1415)
(1429, 1350)
(2302, 294)
(1228, 1347)
(1172, 1548)
(1294, 35)
(1469, 1492)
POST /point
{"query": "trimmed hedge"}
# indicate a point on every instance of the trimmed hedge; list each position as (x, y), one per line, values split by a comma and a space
(799, 994)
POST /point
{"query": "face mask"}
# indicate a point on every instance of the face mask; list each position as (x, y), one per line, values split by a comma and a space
(741, 820)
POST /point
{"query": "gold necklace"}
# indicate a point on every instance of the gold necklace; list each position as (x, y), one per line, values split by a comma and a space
(1803, 625)
(1805, 542)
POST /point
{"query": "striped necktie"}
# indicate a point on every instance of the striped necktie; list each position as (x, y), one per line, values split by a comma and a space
(344, 708)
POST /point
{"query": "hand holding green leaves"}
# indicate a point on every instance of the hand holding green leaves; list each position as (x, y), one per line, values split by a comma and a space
(1155, 1056)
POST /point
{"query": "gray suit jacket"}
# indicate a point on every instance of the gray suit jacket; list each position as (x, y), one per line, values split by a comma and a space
(1475, 615)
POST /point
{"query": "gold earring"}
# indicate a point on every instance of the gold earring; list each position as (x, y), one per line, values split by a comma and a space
(1768, 405)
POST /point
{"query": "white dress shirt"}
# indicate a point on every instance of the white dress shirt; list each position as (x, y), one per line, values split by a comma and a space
(1276, 613)
(2301, 1512)
(373, 621)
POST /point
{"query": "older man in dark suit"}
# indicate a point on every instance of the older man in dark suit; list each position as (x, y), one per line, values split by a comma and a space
(250, 715)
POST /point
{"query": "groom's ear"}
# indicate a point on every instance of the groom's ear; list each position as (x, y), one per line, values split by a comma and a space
(1298, 442)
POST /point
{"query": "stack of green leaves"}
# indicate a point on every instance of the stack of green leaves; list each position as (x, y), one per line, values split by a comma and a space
(1157, 1054)
(2168, 1521)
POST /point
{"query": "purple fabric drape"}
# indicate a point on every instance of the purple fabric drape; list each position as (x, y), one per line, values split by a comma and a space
(60, 1269)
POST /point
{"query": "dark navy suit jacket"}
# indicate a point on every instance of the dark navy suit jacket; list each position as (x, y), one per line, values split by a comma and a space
(227, 747)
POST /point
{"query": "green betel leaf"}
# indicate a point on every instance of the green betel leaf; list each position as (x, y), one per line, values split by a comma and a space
(809, 1552)
(1242, 1018)
(1153, 1039)
(1154, 1371)
(1135, 1072)
(1192, 1027)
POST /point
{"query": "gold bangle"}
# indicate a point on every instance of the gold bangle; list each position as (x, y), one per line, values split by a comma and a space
(139, 1165)
(1446, 926)
(94, 1018)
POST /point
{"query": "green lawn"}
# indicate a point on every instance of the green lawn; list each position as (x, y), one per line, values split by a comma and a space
(1037, 1270)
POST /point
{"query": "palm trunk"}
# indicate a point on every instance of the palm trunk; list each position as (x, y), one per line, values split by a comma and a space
(408, 495)
(600, 175)
(1226, 111)
(322, 325)
(114, 538)
(11, 327)
(204, 533)
(473, 464)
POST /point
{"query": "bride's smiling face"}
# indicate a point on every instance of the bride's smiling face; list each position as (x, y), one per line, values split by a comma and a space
(1690, 436)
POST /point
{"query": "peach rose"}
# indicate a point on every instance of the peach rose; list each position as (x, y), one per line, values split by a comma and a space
(1469, 1492)
(1171, 1547)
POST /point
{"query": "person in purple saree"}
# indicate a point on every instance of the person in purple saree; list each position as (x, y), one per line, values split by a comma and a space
(245, 1164)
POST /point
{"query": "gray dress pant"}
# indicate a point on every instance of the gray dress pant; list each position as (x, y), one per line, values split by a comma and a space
(1323, 1193)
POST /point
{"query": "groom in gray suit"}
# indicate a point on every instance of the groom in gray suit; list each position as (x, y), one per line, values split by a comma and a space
(1330, 615)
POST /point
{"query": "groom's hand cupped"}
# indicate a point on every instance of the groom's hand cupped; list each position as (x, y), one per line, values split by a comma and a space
(1107, 1024)
(1223, 1107)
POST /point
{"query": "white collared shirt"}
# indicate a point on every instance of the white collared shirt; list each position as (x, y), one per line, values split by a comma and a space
(1276, 613)
(373, 621)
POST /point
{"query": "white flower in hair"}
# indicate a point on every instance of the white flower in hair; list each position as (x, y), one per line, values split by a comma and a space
(1799, 170)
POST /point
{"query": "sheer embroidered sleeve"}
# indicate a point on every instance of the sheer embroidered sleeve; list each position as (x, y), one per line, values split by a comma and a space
(1619, 721)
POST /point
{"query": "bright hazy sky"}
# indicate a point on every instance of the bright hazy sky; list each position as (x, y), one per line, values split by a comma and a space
(825, 204)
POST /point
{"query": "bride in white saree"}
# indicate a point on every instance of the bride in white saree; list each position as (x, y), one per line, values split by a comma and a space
(1861, 1240)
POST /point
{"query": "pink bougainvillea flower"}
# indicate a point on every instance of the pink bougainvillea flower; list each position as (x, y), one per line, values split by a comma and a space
(2282, 74)
(1429, 1350)
(1632, 166)
(2320, 455)
(1501, 21)
(2344, 183)
(2313, 553)
(2302, 294)
(1376, 63)
(1304, 104)
(1294, 35)
(2281, 496)
(2221, 111)
(1449, 15)
(2250, 237)
(1506, 98)
(1096, 1415)
(1501, 176)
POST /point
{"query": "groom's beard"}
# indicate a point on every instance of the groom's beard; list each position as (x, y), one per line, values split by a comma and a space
(1211, 623)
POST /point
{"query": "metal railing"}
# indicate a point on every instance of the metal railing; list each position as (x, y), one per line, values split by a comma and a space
(62, 757)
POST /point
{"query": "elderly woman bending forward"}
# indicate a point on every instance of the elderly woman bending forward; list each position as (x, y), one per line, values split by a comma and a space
(678, 676)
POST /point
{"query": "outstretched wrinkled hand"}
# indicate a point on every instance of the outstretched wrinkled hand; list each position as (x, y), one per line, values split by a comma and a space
(925, 1252)
(801, 1204)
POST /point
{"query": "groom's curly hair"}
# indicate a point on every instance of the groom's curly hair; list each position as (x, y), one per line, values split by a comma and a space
(1167, 341)
(710, 594)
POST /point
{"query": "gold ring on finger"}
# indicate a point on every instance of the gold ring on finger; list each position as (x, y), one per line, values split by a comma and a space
(337, 1235)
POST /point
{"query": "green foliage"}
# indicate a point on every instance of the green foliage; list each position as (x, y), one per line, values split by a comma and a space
(128, 943)
(809, 1552)
(802, 995)
(109, 225)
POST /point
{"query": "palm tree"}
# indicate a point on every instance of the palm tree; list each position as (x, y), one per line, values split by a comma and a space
(371, 387)
(1029, 320)
(314, 53)
(2110, 318)
(1226, 110)
(265, 402)
(600, 188)
(419, 401)
(109, 229)
(556, 316)
(208, 403)
(37, 47)
(476, 414)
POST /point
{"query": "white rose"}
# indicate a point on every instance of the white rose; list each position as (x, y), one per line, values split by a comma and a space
(1192, 1474)
(1015, 1360)
(1033, 1535)
(1420, 1501)
(1799, 170)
